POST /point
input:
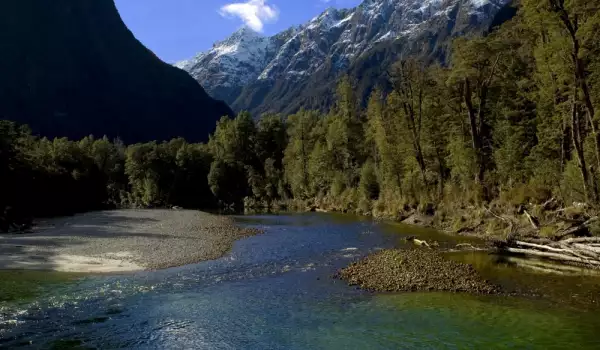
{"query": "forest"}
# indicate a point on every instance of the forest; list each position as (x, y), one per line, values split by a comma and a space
(512, 121)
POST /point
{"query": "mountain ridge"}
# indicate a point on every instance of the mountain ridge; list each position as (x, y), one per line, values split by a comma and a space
(309, 56)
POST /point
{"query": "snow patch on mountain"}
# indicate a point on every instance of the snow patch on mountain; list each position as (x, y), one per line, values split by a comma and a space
(334, 38)
(236, 60)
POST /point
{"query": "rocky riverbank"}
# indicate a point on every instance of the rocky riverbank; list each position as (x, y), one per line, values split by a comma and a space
(398, 270)
(121, 241)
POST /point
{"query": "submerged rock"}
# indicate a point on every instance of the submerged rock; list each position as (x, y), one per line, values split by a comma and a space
(414, 270)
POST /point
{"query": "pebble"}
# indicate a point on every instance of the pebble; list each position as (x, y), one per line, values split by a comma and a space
(396, 270)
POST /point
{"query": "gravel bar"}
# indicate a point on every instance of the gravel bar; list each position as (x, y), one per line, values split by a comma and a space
(121, 240)
(409, 270)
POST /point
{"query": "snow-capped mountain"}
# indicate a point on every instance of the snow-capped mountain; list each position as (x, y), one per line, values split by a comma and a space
(234, 61)
(259, 73)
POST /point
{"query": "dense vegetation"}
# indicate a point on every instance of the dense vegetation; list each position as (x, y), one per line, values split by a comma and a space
(513, 120)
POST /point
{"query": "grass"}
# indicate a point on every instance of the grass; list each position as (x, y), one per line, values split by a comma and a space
(24, 285)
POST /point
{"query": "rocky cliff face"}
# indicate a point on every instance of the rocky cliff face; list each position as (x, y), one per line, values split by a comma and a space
(72, 68)
(298, 67)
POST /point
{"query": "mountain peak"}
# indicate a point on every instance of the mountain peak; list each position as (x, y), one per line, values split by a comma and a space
(255, 73)
(245, 32)
(242, 35)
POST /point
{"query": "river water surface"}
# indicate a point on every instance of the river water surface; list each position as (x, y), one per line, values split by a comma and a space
(275, 291)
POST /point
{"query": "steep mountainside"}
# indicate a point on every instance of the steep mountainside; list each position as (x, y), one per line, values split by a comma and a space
(72, 68)
(298, 67)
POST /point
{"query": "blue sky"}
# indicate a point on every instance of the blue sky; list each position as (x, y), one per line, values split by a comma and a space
(178, 29)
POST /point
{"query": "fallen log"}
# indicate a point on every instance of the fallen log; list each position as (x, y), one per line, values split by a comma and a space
(578, 240)
(535, 223)
(578, 253)
(537, 240)
(585, 247)
(545, 264)
(542, 247)
(553, 256)
(583, 229)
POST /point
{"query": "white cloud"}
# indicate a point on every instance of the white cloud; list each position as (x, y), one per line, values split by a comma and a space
(254, 13)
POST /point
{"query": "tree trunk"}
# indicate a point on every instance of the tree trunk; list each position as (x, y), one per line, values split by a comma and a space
(582, 83)
(475, 135)
(566, 141)
(416, 140)
(405, 90)
(572, 26)
(578, 145)
(440, 171)
(305, 181)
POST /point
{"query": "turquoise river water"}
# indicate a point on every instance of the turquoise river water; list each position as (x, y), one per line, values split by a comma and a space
(275, 291)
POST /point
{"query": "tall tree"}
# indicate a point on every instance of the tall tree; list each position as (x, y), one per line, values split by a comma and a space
(475, 71)
(409, 79)
(565, 40)
(297, 153)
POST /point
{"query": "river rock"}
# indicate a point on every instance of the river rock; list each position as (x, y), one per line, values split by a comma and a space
(398, 270)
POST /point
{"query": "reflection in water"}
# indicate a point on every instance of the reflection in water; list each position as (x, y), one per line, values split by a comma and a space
(580, 290)
(400, 231)
(437, 320)
(275, 291)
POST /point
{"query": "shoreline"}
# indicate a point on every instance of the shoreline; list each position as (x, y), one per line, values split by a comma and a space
(418, 266)
(121, 241)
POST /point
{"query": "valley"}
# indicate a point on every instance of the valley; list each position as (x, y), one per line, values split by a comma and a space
(402, 174)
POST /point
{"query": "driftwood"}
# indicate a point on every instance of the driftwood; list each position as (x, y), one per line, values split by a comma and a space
(581, 230)
(551, 267)
(498, 216)
(553, 256)
(580, 240)
(540, 247)
(418, 242)
(532, 220)
(549, 203)
(510, 223)
(569, 251)
(593, 251)
(538, 240)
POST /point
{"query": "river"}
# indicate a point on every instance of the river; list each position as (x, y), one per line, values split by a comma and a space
(275, 291)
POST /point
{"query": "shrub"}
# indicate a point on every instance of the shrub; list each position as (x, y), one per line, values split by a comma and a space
(369, 185)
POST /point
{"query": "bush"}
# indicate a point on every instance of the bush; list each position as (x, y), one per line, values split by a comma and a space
(338, 185)
(369, 186)
(572, 185)
(523, 194)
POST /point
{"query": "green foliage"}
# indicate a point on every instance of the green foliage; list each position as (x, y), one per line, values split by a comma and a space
(572, 185)
(369, 185)
(523, 194)
(462, 162)
(512, 120)
(227, 181)
(298, 150)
